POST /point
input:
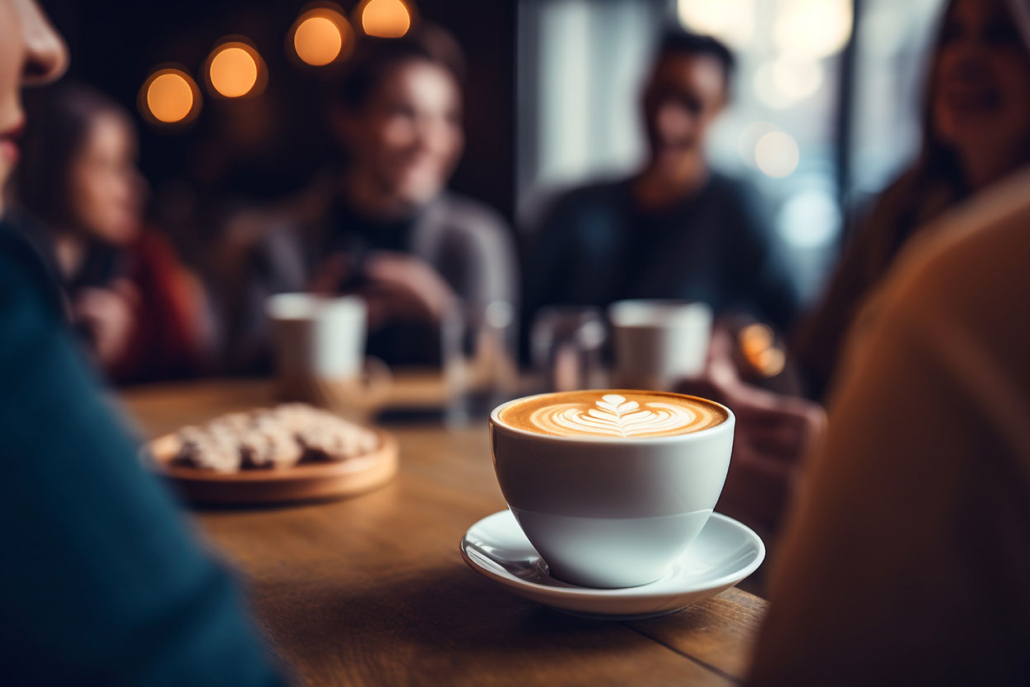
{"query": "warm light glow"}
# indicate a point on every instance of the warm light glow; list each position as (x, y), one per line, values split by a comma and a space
(787, 82)
(812, 29)
(731, 20)
(233, 70)
(756, 339)
(749, 138)
(170, 96)
(777, 154)
(758, 344)
(385, 18)
(317, 41)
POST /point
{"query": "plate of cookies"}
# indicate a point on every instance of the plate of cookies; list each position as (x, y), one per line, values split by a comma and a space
(292, 452)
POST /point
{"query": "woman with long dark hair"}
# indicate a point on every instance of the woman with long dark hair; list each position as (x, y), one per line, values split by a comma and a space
(976, 131)
(906, 559)
(140, 311)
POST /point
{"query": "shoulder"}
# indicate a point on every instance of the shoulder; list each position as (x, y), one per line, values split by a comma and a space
(22, 270)
(467, 213)
(734, 194)
(965, 282)
(979, 248)
(456, 217)
(599, 194)
(726, 186)
(740, 205)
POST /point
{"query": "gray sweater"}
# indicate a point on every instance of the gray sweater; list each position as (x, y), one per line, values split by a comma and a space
(469, 245)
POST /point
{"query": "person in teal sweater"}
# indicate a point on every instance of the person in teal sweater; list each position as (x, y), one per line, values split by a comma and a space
(100, 580)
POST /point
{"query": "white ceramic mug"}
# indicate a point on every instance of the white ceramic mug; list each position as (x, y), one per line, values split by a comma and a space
(658, 343)
(611, 512)
(321, 339)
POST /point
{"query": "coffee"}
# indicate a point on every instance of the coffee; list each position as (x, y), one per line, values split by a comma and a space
(612, 414)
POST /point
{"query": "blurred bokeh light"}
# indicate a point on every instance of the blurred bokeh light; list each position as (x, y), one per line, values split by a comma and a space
(811, 29)
(234, 69)
(169, 96)
(749, 138)
(318, 41)
(731, 20)
(385, 18)
(777, 154)
(322, 36)
(785, 82)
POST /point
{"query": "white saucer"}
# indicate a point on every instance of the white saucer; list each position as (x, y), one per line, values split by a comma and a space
(722, 555)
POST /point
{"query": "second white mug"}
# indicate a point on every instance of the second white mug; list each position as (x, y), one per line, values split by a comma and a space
(658, 343)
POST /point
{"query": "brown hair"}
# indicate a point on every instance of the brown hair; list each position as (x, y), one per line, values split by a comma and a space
(375, 57)
(936, 180)
(61, 121)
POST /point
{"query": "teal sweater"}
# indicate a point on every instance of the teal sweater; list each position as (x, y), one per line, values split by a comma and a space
(100, 581)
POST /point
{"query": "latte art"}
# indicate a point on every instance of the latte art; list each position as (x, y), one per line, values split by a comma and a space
(613, 414)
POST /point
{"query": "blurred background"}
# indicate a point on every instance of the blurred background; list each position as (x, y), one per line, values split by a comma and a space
(230, 98)
(822, 119)
(270, 141)
(824, 115)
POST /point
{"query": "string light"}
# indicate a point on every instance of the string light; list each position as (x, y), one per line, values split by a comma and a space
(321, 36)
(385, 18)
(233, 69)
(169, 96)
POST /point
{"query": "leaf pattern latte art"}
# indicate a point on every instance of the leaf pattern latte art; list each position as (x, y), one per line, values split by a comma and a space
(615, 416)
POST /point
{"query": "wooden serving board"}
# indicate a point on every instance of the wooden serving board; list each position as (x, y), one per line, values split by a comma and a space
(304, 482)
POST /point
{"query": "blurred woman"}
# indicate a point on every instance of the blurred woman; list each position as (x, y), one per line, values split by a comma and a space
(976, 131)
(138, 308)
(386, 228)
(906, 559)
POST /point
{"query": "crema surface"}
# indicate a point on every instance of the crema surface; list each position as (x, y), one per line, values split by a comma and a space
(612, 414)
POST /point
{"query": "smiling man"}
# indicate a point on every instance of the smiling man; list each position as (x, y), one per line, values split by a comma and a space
(677, 229)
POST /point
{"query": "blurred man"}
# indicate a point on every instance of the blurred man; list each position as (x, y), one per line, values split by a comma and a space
(101, 583)
(677, 229)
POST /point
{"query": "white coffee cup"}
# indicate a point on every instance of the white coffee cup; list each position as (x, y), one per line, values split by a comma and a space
(611, 512)
(658, 343)
(319, 339)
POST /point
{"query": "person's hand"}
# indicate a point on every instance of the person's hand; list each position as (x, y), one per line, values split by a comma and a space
(395, 286)
(773, 435)
(332, 274)
(404, 288)
(110, 316)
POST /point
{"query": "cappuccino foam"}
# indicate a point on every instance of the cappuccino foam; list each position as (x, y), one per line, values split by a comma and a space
(612, 414)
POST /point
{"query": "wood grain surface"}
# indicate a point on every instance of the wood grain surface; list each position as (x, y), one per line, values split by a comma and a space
(372, 590)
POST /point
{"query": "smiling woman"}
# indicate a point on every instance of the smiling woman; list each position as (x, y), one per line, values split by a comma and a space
(976, 131)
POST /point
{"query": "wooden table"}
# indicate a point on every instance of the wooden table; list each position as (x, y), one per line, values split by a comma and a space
(372, 590)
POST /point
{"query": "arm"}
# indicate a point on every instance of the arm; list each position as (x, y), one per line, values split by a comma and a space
(100, 581)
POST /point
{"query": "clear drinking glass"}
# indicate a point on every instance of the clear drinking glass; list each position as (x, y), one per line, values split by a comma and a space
(480, 343)
(567, 348)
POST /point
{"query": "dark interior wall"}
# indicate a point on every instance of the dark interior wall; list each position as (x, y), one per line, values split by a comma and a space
(116, 43)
